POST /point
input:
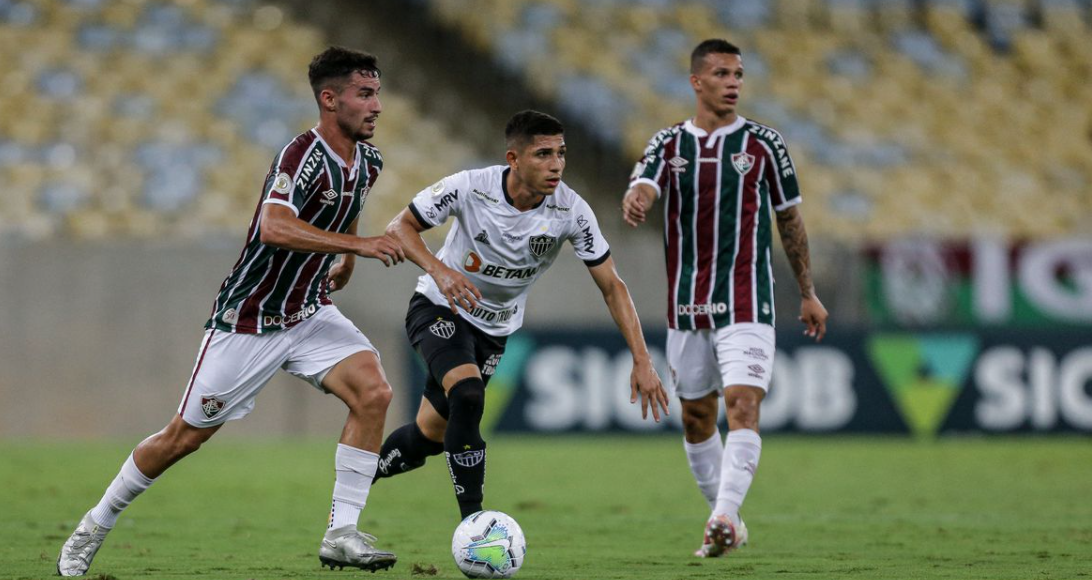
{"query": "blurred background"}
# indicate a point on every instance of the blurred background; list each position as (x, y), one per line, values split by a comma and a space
(944, 149)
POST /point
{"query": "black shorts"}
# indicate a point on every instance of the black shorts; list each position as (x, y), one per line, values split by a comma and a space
(445, 340)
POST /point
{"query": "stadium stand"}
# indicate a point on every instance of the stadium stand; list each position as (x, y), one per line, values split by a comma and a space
(943, 118)
(123, 118)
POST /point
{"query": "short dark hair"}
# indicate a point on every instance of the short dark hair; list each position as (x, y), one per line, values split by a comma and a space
(524, 126)
(331, 67)
(711, 46)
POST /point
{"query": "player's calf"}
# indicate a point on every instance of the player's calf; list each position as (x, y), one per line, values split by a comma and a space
(406, 449)
(463, 444)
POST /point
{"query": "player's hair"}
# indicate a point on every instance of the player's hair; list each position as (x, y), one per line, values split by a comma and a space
(331, 67)
(711, 46)
(524, 126)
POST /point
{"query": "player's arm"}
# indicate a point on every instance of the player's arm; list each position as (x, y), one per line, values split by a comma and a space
(790, 224)
(643, 379)
(406, 229)
(281, 228)
(342, 271)
(637, 202)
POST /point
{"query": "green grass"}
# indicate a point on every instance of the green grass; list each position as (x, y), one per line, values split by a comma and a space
(601, 507)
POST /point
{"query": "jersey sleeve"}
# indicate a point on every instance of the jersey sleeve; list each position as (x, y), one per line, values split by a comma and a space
(652, 168)
(586, 237)
(284, 185)
(781, 177)
(441, 200)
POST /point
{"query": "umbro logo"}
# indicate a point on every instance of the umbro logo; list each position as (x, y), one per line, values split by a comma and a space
(329, 195)
(483, 238)
(678, 164)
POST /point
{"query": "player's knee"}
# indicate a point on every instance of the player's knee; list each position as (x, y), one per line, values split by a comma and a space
(372, 396)
(186, 442)
(743, 408)
(468, 396)
(695, 422)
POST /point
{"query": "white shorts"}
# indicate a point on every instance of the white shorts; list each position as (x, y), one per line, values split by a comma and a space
(707, 361)
(231, 369)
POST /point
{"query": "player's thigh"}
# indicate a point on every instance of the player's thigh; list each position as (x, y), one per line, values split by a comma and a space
(745, 355)
(692, 360)
(328, 350)
(230, 370)
(445, 342)
(359, 380)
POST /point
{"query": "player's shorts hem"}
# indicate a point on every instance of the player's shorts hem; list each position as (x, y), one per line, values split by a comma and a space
(316, 379)
(698, 394)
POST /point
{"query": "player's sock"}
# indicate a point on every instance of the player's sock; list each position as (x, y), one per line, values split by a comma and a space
(354, 469)
(405, 449)
(128, 484)
(741, 451)
(464, 448)
(704, 459)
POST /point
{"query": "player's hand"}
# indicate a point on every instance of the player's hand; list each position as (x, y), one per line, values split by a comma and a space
(339, 275)
(814, 316)
(458, 289)
(383, 248)
(634, 207)
(644, 380)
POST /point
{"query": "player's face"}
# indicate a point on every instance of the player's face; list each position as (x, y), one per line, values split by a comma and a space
(540, 164)
(719, 82)
(358, 107)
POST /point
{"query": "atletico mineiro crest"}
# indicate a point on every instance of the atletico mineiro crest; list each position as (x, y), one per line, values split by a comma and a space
(445, 329)
(743, 162)
(210, 406)
(541, 245)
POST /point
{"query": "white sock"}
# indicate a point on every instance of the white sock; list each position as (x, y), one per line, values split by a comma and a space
(741, 451)
(128, 484)
(355, 470)
(704, 459)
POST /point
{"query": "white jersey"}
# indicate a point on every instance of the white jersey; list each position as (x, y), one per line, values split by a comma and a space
(499, 248)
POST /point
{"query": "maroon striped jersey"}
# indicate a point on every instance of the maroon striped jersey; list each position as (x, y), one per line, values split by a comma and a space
(719, 189)
(271, 288)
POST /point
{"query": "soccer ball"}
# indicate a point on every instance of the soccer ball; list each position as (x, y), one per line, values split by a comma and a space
(488, 544)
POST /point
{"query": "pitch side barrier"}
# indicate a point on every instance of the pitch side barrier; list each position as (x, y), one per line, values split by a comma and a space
(925, 383)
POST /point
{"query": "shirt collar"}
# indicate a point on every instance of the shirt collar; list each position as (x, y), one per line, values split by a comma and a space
(508, 198)
(330, 150)
(725, 130)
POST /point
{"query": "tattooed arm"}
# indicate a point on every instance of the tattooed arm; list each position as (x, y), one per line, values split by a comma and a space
(790, 224)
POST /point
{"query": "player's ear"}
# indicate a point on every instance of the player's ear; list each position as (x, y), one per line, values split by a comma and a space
(511, 157)
(328, 100)
(695, 82)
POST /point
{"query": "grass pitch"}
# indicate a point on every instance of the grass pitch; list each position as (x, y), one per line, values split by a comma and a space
(595, 507)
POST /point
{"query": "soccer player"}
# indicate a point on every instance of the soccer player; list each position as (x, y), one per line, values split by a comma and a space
(274, 311)
(721, 175)
(511, 221)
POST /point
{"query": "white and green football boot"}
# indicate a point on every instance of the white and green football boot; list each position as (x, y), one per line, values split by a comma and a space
(348, 546)
(721, 537)
(80, 548)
